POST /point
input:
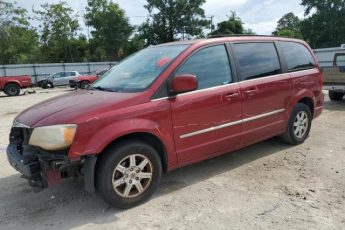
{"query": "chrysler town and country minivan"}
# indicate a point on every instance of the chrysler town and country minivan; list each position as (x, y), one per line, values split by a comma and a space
(168, 106)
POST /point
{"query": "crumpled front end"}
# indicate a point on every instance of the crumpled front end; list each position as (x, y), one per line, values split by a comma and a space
(42, 168)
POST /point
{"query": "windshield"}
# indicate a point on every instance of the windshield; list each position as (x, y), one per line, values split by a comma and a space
(138, 71)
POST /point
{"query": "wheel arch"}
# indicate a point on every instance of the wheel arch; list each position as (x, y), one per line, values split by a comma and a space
(146, 137)
(12, 82)
(309, 102)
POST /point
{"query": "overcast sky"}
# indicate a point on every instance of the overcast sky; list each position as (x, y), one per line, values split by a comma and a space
(259, 15)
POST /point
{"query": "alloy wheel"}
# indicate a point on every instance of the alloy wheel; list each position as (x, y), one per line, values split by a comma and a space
(300, 125)
(132, 176)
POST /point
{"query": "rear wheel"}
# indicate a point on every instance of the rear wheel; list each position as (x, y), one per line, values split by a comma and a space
(335, 96)
(128, 173)
(12, 90)
(299, 125)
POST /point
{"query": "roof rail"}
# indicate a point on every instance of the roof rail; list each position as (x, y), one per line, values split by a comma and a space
(238, 35)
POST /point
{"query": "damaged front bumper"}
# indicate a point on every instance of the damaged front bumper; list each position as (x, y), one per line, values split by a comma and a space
(42, 169)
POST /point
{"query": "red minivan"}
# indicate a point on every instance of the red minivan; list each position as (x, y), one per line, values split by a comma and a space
(168, 106)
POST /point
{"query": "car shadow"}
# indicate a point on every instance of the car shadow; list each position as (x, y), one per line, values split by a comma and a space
(21, 204)
(335, 105)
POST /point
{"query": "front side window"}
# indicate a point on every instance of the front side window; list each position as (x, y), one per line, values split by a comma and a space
(137, 72)
(297, 56)
(256, 60)
(58, 75)
(210, 65)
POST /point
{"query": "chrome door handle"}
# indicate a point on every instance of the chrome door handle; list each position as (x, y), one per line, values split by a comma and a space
(251, 92)
(230, 96)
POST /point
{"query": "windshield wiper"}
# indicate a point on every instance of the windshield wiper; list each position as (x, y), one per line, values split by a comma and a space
(103, 89)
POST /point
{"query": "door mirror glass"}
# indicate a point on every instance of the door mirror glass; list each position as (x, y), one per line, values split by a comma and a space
(184, 83)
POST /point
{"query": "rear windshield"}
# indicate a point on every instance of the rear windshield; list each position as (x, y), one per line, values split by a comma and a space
(137, 72)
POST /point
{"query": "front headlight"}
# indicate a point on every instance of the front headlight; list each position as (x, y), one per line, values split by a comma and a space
(56, 137)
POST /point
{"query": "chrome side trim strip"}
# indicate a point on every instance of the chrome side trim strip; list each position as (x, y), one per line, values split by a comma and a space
(211, 129)
(263, 115)
(231, 124)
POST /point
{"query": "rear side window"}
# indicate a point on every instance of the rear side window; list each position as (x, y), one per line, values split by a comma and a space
(340, 60)
(210, 65)
(297, 56)
(256, 60)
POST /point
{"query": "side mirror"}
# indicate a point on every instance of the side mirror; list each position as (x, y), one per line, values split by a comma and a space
(184, 83)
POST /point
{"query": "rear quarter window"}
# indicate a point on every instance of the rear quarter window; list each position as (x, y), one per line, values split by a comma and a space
(256, 60)
(297, 56)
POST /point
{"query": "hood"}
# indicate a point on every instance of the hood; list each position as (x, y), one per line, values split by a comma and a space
(76, 106)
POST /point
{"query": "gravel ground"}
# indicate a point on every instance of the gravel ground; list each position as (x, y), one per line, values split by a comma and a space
(269, 185)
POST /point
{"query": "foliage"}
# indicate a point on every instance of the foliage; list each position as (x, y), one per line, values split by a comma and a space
(289, 26)
(58, 26)
(111, 29)
(172, 20)
(233, 25)
(324, 25)
(18, 41)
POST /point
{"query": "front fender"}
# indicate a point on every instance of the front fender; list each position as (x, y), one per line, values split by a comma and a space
(94, 140)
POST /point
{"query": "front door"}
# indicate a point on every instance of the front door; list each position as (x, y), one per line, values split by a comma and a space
(207, 121)
(58, 78)
(266, 92)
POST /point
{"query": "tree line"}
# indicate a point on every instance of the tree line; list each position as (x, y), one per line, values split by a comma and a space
(52, 32)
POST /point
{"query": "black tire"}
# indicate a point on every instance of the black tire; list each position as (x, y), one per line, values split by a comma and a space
(110, 160)
(84, 84)
(335, 96)
(290, 136)
(44, 85)
(12, 90)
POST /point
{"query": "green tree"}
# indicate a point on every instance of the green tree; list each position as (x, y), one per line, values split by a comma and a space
(171, 20)
(324, 26)
(58, 26)
(111, 29)
(18, 41)
(288, 26)
(233, 25)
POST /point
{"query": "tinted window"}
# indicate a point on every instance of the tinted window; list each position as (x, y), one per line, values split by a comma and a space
(257, 60)
(210, 65)
(297, 56)
(72, 74)
(340, 60)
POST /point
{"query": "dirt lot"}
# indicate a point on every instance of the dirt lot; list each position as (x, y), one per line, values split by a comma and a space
(270, 185)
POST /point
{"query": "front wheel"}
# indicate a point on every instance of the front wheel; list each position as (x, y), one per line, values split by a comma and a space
(128, 173)
(299, 125)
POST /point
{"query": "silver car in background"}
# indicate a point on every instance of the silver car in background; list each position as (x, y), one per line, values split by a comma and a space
(58, 79)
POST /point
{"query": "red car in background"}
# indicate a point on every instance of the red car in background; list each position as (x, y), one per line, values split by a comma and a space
(84, 81)
(12, 85)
